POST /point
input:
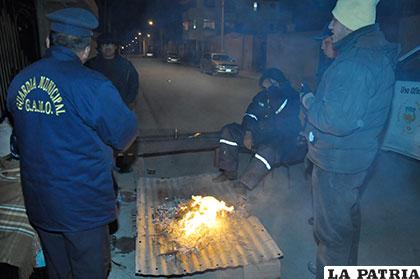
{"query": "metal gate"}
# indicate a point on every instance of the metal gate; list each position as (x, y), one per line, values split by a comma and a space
(18, 42)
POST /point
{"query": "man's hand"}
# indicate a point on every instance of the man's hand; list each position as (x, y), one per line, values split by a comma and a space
(248, 140)
(307, 100)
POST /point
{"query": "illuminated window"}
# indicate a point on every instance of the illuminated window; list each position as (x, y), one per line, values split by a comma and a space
(209, 24)
(186, 25)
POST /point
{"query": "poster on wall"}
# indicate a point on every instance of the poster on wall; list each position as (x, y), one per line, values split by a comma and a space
(403, 133)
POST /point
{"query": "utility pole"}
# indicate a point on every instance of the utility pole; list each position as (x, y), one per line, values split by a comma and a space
(222, 27)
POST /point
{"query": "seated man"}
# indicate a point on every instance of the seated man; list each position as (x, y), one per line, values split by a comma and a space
(270, 130)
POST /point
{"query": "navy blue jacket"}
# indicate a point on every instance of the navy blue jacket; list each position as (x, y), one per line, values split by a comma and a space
(67, 119)
(351, 105)
(122, 74)
(273, 115)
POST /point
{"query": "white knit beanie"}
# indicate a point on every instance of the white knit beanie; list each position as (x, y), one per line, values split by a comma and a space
(355, 14)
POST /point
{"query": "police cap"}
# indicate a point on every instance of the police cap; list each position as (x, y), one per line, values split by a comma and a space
(73, 21)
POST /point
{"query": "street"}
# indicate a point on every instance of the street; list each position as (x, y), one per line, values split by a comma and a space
(192, 101)
(174, 96)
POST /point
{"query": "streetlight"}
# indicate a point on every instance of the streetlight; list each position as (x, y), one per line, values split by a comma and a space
(139, 33)
(148, 35)
(255, 6)
(150, 22)
(222, 26)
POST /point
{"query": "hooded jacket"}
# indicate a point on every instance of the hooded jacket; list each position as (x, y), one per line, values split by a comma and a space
(351, 106)
(273, 115)
(122, 74)
(67, 119)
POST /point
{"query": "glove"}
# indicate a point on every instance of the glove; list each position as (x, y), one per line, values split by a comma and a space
(307, 100)
(248, 142)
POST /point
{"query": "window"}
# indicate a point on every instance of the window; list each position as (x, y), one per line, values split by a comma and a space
(221, 57)
(209, 24)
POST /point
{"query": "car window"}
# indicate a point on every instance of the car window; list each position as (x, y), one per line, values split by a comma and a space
(221, 57)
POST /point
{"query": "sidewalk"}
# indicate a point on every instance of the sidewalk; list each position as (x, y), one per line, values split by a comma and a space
(390, 211)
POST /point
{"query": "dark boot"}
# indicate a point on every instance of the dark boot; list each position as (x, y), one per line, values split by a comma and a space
(225, 176)
(241, 198)
(253, 174)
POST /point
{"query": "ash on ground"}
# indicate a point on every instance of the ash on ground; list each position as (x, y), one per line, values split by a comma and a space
(167, 217)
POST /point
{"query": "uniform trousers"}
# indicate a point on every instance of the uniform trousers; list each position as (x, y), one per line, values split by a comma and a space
(267, 150)
(78, 255)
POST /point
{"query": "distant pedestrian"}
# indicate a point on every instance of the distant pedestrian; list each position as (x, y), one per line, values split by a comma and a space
(118, 69)
(346, 119)
(125, 77)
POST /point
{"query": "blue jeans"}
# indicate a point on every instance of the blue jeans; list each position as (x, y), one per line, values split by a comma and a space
(337, 218)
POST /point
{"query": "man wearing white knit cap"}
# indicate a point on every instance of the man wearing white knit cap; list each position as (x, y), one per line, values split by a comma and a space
(345, 122)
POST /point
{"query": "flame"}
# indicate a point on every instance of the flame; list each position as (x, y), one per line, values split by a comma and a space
(202, 218)
(204, 214)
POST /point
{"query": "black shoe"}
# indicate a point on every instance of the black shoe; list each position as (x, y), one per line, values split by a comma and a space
(241, 199)
(220, 178)
(225, 176)
(240, 188)
(312, 268)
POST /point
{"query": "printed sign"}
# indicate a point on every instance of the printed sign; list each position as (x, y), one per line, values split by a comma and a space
(372, 272)
(403, 133)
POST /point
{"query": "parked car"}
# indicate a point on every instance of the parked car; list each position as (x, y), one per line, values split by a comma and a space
(150, 54)
(218, 63)
(172, 57)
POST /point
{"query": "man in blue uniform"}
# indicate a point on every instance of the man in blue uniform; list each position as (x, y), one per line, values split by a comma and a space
(124, 77)
(270, 130)
(67, 119)
(346, 118)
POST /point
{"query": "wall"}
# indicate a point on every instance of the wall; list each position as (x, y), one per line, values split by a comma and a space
(296, 54)
(409, 35)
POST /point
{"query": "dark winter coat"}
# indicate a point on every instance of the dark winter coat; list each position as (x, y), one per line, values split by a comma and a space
(273, 115)
(351, 105)
(122, 74)
(67, 119)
